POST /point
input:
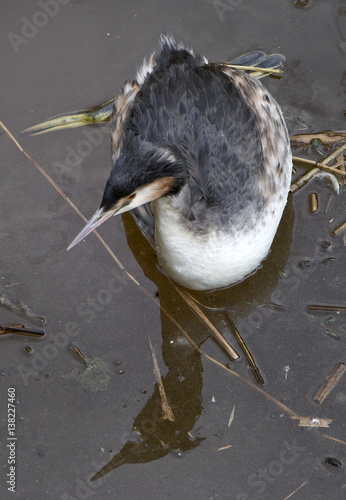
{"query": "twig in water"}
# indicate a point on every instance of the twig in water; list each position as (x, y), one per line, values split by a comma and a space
(22, 310)
(305, 178)
(341, 162)
(231, 417)
(330, 137)
(304, 162)
(224, 447)
(79, 353)
(295, 491)
(340, 228)
(313, 421)
(340, 441)
(167, 412)
(330, 382)
(210, 308)
(220, 339)
(257, 69)
(328, 203)
(244, 348)
(60, 191)
(332, 335)
(21, 330)
(271, 398)
(313, 202)
(112, 254)
(320, 307)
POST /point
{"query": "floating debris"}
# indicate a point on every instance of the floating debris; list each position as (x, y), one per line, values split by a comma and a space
(177, 453)
(224, 447)
(340, 160)
(21, 330)
(317, 167)
(340, 441)
(333, 461)
(330, 382)
(297, 489)
(313, 202)
(332, 335)
(274, 305)
(312, 421)
(79, 353)
(322, 307)
(286, 370)
(329, 137)
(331, 177)
(166, 410)
(328, 203)
(231, 418)
(217, 335)
(304, 162)
(95, 377)
(326, 246)
(22, 309)
(244, 348)
(339, 228)
(307, 264)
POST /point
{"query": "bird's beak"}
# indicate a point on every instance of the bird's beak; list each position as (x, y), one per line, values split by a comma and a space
(99, 217)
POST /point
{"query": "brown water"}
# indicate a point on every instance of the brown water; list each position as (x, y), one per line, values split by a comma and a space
(73, 418)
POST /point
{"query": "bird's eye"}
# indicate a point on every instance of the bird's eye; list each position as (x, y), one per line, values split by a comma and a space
(132, 196)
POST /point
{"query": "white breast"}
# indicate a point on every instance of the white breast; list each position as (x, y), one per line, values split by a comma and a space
(218, 258)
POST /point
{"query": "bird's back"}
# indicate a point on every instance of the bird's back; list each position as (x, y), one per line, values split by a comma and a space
(198, 111)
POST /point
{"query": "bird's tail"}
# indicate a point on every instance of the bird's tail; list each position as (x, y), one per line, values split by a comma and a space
(258, 64)
(97, 114)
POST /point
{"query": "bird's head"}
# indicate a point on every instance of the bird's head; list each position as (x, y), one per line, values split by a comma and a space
(143, 172)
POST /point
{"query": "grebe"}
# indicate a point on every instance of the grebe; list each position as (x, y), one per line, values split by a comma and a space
(202, 160)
